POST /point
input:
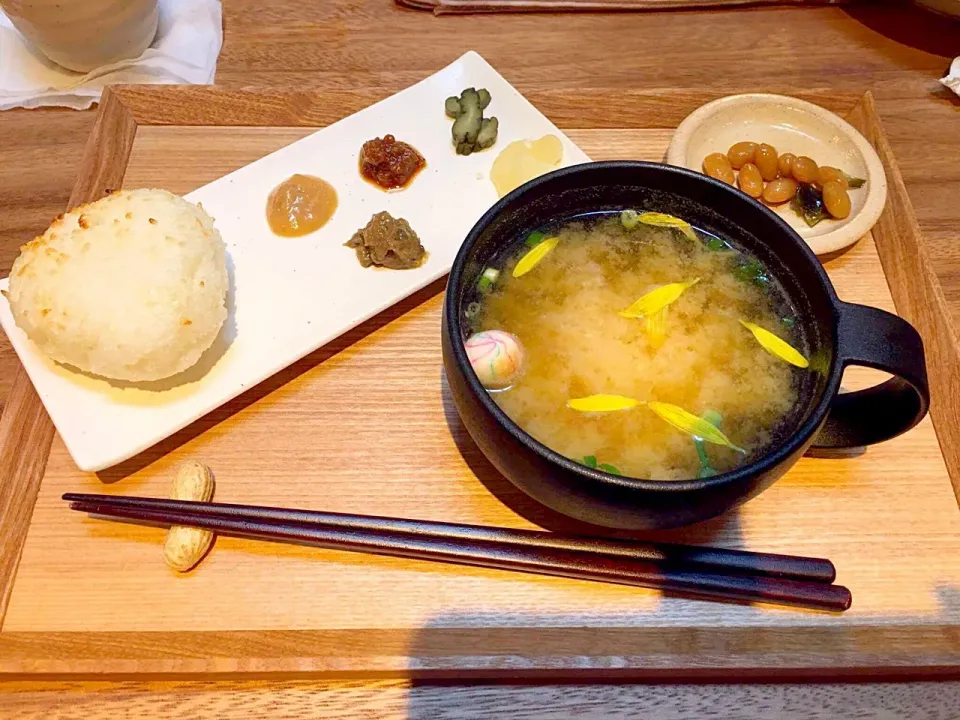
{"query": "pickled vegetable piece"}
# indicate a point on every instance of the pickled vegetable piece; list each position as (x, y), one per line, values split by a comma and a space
(523, 160)
(471, 131)
(808, 204)
(489, 127)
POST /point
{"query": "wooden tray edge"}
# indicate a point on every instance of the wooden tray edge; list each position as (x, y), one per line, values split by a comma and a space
(26, 431)
(490, 652)
(903, 255)
(103, 168)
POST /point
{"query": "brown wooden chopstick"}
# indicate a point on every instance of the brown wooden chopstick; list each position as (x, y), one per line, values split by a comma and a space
(580, 564)
(692, 557)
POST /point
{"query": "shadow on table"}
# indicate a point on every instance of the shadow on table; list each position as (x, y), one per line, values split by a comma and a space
(524, 657)
(261, 390)
(739, 701)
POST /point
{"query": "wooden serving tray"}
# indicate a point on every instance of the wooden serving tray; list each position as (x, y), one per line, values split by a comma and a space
(366, 425)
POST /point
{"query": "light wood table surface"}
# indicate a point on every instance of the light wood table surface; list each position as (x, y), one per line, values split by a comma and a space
(891, 48)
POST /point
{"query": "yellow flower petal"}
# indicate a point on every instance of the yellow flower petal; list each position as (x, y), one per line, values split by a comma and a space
(602, 403)
(535, 255)
(690, 423)
(657, 326)
(775, 346)
(664, 220)
(657, 300)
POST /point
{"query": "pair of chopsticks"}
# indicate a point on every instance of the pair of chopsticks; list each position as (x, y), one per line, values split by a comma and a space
(701, 572)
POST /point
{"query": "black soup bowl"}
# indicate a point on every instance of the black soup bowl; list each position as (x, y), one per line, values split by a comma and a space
(835, 333)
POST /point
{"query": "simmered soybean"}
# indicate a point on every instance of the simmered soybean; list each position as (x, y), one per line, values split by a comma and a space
(779, 191)
(750, 180)
(836, 199)
(765, 158)
(831, 174)
(716, 165)
(741, 153)
(805, 170)
(817, 192)
(785, 164)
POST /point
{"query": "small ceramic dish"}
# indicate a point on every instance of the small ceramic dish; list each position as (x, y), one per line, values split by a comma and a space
(798, 127)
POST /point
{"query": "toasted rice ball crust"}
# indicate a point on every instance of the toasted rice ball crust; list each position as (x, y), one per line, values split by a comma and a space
(130, 287)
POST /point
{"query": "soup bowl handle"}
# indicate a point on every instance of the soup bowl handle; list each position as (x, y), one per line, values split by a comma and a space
(877, 339)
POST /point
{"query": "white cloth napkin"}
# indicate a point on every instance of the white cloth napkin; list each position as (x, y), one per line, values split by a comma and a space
(952, 80)
(185, 50)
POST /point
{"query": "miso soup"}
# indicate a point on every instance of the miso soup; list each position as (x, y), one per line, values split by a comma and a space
(636, 329)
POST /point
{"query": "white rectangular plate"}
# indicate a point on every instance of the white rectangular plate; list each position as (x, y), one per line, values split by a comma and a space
(289, 296)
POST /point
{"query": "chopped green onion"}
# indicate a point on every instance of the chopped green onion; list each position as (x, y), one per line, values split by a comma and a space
(488, 277)
(629, 219)
(716, 243)
(714, 418)
(591, 462)
(789, 321)
(752, 271)
(534, 239)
